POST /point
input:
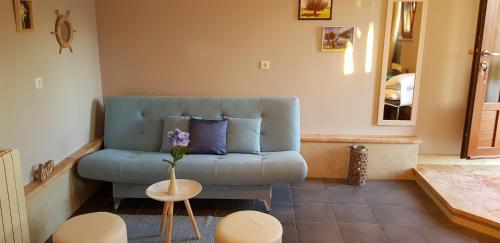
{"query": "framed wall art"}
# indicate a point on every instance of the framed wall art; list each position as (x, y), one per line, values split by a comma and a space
(315, 9)
(24, 15)
(337, 38)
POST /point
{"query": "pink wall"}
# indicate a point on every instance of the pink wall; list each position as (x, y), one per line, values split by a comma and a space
(213, 47)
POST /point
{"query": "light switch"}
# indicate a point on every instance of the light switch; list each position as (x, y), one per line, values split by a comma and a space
(38, 83)
(265, 65)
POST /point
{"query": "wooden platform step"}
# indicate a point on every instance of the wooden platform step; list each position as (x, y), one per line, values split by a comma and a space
(468, 194)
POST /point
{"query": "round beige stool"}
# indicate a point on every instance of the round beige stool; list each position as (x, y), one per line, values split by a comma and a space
(248, 227)
(92, 228)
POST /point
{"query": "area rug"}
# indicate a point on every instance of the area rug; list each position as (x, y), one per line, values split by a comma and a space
(146, 228)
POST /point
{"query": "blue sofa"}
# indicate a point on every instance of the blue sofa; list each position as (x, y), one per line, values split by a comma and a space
(133, 135)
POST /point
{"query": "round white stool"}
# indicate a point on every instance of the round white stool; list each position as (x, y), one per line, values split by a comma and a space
(248, 227)
(92, 228)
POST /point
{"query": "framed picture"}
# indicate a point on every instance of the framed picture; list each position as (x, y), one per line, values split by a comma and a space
(408, 12)
(337, 38)
(315, 9)
(24, 15)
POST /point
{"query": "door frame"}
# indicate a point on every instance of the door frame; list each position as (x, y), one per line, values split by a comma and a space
(472, 105)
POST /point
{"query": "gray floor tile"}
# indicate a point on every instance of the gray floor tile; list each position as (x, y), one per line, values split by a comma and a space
(300, 195)
(281, 195)
(92, 205)
(261, 207)
(448, 235)
(352, 214)
(398, 215)
(342, 196)
(313, 212)
(108, 206)
(130, 205)
(281, 185)
(430, 216)
(362, 233)
(406, 234)
(308, 183)
(406, 185)
(283, 212)
(482, 238)
(289, 233)
(318, 232)
(226, 207)
(383, 197)
(406, 212)
(151, 207)
(379, 185)
(338, 184)
(413, 197)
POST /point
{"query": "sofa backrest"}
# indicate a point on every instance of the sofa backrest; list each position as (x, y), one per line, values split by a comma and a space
(136, 122)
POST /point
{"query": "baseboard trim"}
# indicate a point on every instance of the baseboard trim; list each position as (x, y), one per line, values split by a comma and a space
(456, 215)
(360, 139)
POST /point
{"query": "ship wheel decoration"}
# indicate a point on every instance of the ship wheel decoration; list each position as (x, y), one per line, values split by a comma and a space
(63, 31)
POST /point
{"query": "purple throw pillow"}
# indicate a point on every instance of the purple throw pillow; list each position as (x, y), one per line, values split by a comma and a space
(207, 136)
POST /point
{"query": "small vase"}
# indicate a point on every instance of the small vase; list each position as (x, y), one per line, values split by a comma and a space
(172, 188)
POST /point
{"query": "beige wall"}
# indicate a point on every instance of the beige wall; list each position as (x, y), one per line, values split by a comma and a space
(213, 48)
(53, 122)
(446, 73)
(386, 161)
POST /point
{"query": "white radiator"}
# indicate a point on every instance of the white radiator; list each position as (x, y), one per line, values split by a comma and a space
(13, 218)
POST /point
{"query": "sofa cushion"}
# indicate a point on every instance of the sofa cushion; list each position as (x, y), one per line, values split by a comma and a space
(133, 167)
(136, 122)
(243, 135)
(208, 136)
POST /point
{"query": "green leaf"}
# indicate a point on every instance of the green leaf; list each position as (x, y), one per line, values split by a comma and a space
(170, 162)
(178, 152)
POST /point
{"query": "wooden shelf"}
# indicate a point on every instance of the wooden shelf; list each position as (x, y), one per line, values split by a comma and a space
(360, 139)
(65, 165)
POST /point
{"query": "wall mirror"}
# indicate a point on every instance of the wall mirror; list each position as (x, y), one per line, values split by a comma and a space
(402, 62)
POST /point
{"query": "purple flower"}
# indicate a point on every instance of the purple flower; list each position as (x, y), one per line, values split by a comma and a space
(178, 138)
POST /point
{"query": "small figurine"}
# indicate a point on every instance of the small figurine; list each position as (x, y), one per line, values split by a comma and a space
(43, 171)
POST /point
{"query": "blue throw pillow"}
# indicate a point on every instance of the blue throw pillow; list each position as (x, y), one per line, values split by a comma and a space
(207, 136)
(243, 135)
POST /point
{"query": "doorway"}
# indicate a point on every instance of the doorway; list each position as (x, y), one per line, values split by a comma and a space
(482, 124)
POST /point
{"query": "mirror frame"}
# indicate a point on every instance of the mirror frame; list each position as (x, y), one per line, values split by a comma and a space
(418, 70)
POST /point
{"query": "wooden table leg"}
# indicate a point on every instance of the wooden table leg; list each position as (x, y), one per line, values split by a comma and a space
(164, 217)
(170, 221)
(191, 216)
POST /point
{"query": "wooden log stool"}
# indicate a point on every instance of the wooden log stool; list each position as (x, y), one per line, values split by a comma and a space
(92, 228)
(248, 227)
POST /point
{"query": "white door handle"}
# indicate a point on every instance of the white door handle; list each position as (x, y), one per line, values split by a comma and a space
(487, 53)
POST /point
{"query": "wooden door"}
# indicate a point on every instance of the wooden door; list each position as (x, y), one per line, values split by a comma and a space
(482, 127)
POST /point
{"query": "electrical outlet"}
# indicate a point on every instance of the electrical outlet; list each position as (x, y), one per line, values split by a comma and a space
(265, 65)
(38, 83)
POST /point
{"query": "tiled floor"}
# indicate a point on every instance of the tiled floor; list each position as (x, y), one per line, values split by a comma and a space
(330, 211)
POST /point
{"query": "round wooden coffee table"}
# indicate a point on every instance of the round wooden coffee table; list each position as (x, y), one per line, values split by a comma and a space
(187, 189)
